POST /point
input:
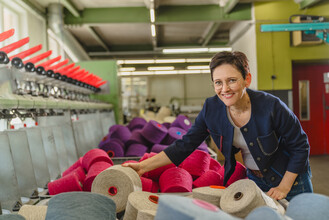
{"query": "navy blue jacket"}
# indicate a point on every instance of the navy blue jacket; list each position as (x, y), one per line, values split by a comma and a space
(273, 134)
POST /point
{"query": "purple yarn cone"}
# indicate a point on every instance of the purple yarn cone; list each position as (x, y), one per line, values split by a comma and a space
(182, 122)
(166, 124)
(174, 133)
(154, 132)
(114, 148)
(203, 147)
(120, 132)
(136, 123)
(157, 148)
(136, 138)
(103, 141)
(136, 150)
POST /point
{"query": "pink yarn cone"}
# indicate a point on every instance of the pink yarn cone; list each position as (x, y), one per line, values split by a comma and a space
(210, 177)
(93, 156)
(214, 165)
(68, 183)
(149, 185)
(156, 173)
(239, 173)
(197, 163)
(76, 164)
(175, 180)
(94, 170)
(80, 172)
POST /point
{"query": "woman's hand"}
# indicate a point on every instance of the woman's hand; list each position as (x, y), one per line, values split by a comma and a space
(278, 193)
(136, 166)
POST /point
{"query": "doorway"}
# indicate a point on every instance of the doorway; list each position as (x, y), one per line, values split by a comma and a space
(311, 103)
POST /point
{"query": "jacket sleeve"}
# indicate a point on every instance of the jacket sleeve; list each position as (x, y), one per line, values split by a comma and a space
(294, 139)
(181, 149)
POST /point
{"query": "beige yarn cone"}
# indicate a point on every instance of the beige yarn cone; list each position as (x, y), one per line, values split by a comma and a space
(140, 201)
(209, 194)
(33, 212)
(146, 215)
(117, 182)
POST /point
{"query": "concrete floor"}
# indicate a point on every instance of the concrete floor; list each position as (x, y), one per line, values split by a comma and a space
(320, 172)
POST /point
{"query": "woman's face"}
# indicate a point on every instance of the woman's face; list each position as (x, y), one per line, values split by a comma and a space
(229, 84)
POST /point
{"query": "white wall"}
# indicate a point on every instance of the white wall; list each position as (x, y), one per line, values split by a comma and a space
(243, 38)
(190, 89)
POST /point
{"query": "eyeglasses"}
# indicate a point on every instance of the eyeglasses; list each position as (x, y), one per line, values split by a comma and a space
(232, 83)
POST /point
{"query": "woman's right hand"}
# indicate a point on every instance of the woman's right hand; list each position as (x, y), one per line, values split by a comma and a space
(136, 166)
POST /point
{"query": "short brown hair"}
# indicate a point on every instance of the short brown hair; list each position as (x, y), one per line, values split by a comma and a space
(237, 59)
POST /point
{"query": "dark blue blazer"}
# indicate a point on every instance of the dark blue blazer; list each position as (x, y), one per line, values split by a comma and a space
(273, 134)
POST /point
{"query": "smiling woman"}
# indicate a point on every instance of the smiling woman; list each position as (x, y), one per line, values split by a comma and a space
(274, 147)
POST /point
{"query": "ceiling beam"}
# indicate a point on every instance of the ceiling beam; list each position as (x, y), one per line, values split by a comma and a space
(230, 4)
(307, 3)
(70, 7)
(165, 14)
(209, 33)
(98, 38)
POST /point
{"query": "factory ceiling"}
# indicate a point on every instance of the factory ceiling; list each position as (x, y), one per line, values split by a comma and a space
(127, 29)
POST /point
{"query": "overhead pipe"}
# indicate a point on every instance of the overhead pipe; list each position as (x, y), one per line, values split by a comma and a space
(56, 25)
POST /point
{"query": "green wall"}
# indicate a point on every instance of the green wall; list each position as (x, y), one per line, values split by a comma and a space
(274, 53)
(107, 70)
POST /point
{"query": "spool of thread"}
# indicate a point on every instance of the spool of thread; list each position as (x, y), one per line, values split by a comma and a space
(94, 170)
(210, 177)
(140, 201)
(103, 141)
(204, 147)
(162, 113)
(156, 173)
(136, 123)
(241, 197)
(166, 124)
(31, 212)
(146, 215)
(184, 208)
(197, 163)
(93, 156)
(211, 194)
(214, 165)
(147, 155)
(136, 138)
(68, 183)
(238, 174)
(12, 217)
(80, 172)
(175, 180)
(77, 163)
(308, 206)
(136, 150)
(169, 119)
(154, 132)
(148, 185)
(157, 148)
(265, 212)
(114, 148)
(182, 121)
(174, 133)
(120, 132)
(117, 182)
(82, 206)
(113, 128)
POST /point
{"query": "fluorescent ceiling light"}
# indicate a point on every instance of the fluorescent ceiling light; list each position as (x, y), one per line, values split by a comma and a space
(137, 61)
(153, 30)
(170, 61)
(166, 72)
(195, 50)
(200, 60)
(152, 15)
(124, 73)
(197, 67)
(126, 69)
(189, 71)
(142, 73)
(160, 68)
(186, 50)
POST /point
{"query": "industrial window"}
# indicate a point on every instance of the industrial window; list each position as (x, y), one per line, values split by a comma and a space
(304, 99)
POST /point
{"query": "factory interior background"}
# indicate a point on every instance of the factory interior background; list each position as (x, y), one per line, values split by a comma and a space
(133, 58)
